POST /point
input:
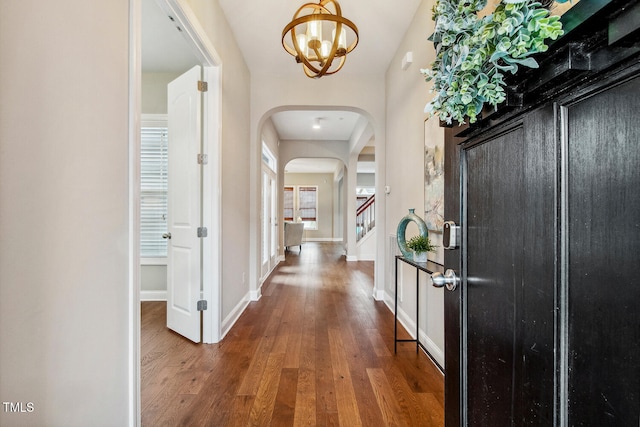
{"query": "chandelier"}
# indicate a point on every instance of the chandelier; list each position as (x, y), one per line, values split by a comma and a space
(320, 56)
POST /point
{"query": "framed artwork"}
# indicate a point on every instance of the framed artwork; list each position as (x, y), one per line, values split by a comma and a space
(433, 177)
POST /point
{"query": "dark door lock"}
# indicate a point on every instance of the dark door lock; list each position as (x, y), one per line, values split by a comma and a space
(450, 235)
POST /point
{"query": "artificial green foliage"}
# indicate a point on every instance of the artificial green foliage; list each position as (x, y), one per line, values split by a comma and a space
(473, 54)
(421, 244)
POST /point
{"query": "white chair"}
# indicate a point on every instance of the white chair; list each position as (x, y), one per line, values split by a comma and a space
(293, 234)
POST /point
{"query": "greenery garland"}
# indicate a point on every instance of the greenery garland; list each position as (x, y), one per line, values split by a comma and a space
(473, 53)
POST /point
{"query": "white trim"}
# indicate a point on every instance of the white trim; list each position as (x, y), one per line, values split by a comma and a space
(352, 258)
(379, 295)
(410, 326)
(153, 261)
(133, 324)
(190, 27)
(256, 295)
(196, 36)
(153, 295)
(434, 351)
(323, 239)
(233, 317)
(212, 206)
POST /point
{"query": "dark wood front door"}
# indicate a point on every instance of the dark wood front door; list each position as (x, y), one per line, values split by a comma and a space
(509, 218)
(545, 327)
(550, 296)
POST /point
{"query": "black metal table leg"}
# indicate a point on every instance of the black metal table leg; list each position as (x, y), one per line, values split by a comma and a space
(395, 313)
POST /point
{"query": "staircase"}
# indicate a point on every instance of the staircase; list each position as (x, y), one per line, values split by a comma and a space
(366, 217)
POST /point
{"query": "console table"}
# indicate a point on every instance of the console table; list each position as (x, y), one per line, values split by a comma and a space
(428, 267)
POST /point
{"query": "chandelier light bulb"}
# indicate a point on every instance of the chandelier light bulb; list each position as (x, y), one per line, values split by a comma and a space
(342, 40)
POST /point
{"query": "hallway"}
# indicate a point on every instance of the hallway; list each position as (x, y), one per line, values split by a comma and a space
(316, 350)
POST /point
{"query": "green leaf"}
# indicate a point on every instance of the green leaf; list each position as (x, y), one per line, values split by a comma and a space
(527, 62)
(473, 53)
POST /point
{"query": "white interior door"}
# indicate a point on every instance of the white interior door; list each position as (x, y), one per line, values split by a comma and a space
(184, 210)
(269, 221)
(274, 222)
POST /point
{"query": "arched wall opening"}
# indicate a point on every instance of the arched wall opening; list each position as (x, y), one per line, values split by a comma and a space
(345, 150)
(312, 192)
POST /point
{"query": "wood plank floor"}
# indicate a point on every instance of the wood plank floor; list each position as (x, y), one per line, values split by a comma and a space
(316, 350)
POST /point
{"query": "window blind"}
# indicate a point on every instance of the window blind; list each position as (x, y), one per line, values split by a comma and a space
(154, 164)
(308, 203)
(288, 204)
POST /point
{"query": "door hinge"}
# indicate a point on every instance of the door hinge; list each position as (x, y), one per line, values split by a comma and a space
(203, 86)
(202, 305)
(202, 231)
(203, 159)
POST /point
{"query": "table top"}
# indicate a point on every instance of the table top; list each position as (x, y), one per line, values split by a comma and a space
(428, 267)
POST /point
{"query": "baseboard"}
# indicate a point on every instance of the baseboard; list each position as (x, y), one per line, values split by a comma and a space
(323, 239)
(366, 257)
(379, 294)
(255, 295)
(153, 295)
(433, 351)
(233, 317)
(352, 258)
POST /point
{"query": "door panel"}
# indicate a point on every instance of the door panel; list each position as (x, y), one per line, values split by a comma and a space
(269, 221)
(604, 258)
(494, 274)
(551, 335)
(509, 279)
(184, 213)
(545, 326)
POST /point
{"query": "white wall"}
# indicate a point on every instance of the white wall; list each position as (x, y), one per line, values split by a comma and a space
(407, 94)
(235, 155)
(324, 182)
(153, 278)
(154, 92)
(270, 137)
(366, 180)
(270, 93)
(66, 313)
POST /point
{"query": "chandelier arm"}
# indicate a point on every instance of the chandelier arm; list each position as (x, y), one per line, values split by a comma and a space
(307, 18)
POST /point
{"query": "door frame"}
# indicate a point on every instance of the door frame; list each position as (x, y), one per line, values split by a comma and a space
(272, 255)
(211, 203)
(211, 175)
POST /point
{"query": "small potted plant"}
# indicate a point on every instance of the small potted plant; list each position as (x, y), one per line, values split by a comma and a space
(420, 245)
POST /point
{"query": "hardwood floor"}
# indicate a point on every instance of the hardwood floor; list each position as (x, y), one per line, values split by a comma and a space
(316, 350)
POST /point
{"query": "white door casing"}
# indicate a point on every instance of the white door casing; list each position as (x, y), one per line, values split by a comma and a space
(184, 211)
(269, 221)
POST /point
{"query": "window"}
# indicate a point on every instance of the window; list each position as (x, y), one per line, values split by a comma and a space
(289, 206)
(154, 164)
(308, 206)
(301, 204)
(268, 158)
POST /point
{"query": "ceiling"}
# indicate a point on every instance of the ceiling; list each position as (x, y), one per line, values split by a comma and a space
(381, 24)
(298, 125)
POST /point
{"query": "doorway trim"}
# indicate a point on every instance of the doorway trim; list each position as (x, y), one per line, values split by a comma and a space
(185, 19)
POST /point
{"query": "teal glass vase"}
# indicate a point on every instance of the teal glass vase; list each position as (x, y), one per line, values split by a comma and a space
(402, 229)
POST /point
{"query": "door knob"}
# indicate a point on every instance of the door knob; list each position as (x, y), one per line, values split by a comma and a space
(166, 236)
(449, 279)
